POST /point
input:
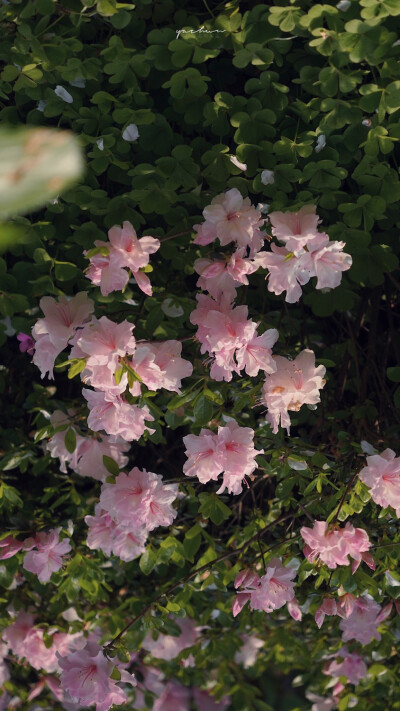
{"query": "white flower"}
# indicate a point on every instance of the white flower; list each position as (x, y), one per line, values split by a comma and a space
(9, 330)
(366, 122)
(63, 94)
(41, 105)
(321, 143)
(171, 309)
(100, 144)
(267, 177)
(130, 133)
(343, 5)
(79, 82)
(237, 162)
(367, 448)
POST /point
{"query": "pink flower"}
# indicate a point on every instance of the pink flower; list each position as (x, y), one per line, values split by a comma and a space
(256, 353)
(103, 341)
(328, 261)
(346, 664)
(128, 544)
(9, 547)
(160, 365)
(115, 416)
(206, 702)
(125, 250)
(167, 646)
(334, 546)
(295, 229)
(322, 703)
(61, 319)
(47, 559)
(382, 476)
(139, 497)
(287, 272)
(295, 383)
(362, 623)
(271, 591)
(90, 455)
(174, 698)
(205, 459)
(26, 343)
(230, 451)
(101, 531)
(86, 677)
(222, 276)
(231, 218)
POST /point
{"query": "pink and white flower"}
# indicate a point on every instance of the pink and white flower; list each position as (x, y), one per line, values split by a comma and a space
(347, 664)
(270, 592)
(294, 383)
(139, 499)
(48, 556)
(86, 676)
(167, 646)
(362, 624)
(382, 476)
(334, 546)
(115, 416)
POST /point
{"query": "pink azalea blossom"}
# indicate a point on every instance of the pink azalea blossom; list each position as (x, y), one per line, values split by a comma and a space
(125, 250)
(128, 544)
(230, 451)
(206, 702)
(26, 343)
(362, 624)
(382, 476)
(226, 333)
(222, 276)
(115, 416)
(321, 703)
(232, 218)
(159, 365)
(47, 559)
(327, 262)
(139, 497)
(26, 642)
(125, 542)
(270, 592)
(295, 383)
(101, 531)
(295, 229)
(167, 646)
(286, 271)
(9, 546)
(347, 664)
(91, 451)
(86, 677)
(103, 341)
(53, 332)
(334, 546)
(175, 697)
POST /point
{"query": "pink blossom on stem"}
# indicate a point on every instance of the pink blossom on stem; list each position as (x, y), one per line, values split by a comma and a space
(382, 476)
(205, 460)
(270, 592)
(56, 444)
(139, 499)
(232, 218)
(9, 546)
(222, 276)
(91, 451)
(256, 353)
(327, 261)
(160, 365)
(53, 332)
(347, 664)
(86, 677)
(286, 271)
(362, 624)
(115, 416)
(125, 251)
(129, 544)
(334, 546)
(295, 383)
(47, 559)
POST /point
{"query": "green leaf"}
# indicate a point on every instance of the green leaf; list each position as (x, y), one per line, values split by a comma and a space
(70, 440)
(147, 560)
(393, 374)
(77, 367)
(203, 411)
(111, 465)
(106, 7)
(212, 507)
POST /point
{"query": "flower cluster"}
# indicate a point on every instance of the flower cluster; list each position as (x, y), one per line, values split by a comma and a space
(124, 251)
(382, 476)
(231, 452)
(307, 253)
(334, 546)
(270, 592)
